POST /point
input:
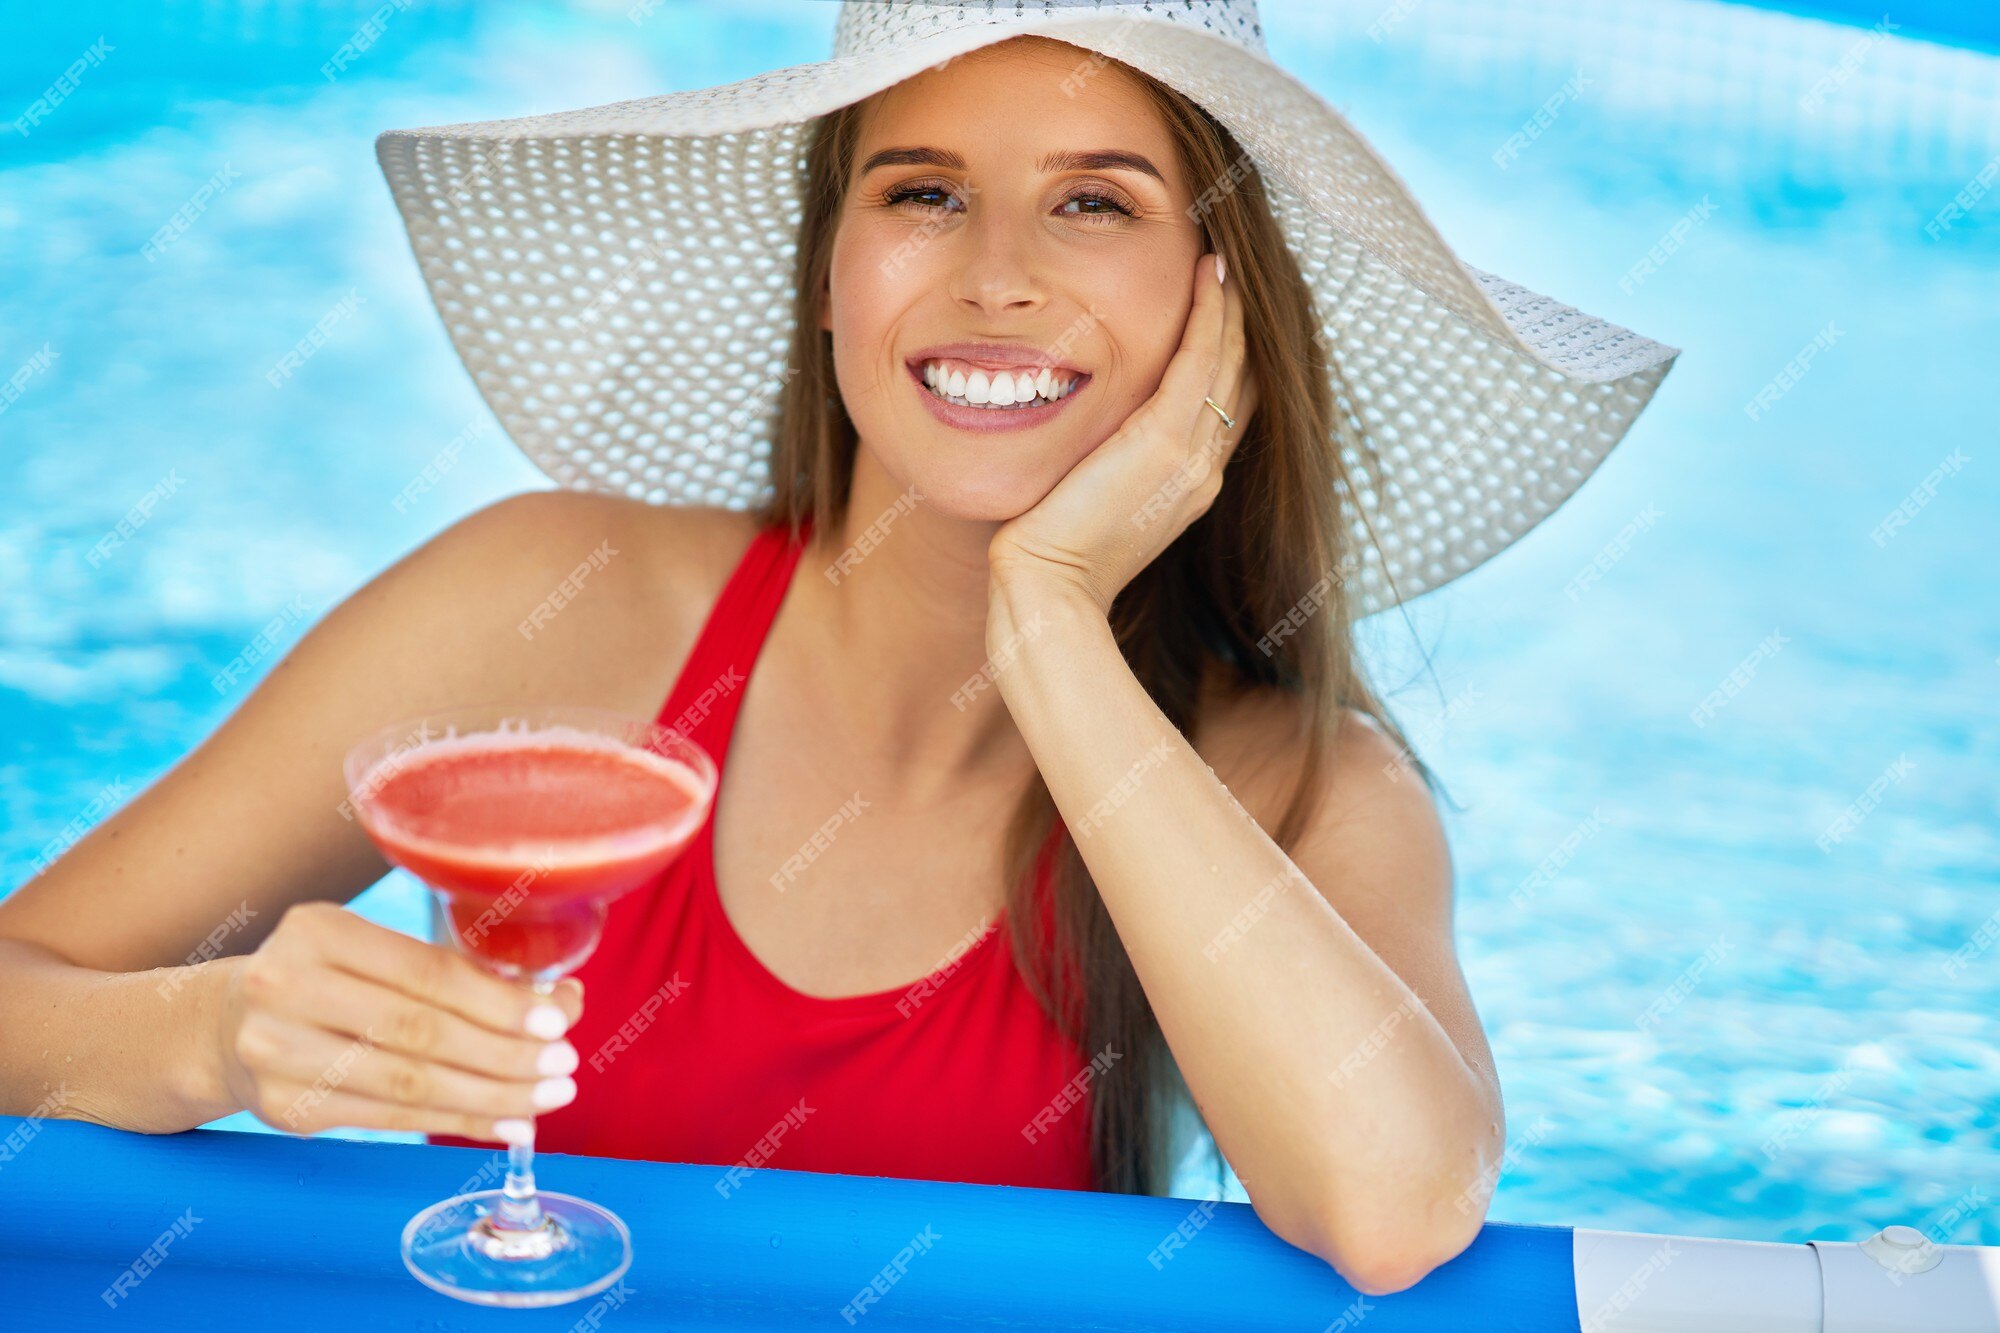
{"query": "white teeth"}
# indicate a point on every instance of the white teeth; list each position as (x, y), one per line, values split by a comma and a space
(1000, 389)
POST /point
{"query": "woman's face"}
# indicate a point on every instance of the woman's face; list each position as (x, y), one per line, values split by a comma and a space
(1021, 209)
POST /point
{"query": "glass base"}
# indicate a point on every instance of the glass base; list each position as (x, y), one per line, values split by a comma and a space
(454, 1247)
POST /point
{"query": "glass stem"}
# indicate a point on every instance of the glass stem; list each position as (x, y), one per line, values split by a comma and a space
(519, 1210)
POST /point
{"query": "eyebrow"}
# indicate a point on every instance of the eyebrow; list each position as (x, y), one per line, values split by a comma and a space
(1096, 159)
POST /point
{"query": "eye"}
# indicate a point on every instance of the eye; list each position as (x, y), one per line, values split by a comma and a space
(925, 196)
(1096, 204)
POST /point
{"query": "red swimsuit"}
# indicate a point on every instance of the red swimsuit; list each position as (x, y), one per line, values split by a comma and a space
(693, 1051)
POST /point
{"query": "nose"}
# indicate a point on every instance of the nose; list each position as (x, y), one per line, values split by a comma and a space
(996, 276)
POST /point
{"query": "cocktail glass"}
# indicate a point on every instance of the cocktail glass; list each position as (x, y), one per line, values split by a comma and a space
(526, 822)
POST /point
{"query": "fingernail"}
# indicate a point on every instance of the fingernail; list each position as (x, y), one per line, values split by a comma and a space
(1221, 267)
(553, 1092)
(547, 1022)
(514, 1131)
(556, 1058)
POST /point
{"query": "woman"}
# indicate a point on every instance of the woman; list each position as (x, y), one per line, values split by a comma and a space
(1072, 805)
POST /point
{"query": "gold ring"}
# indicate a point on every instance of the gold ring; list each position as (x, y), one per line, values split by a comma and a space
(1228, 422)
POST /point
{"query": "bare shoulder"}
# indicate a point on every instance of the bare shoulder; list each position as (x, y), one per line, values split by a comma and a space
(614, 590)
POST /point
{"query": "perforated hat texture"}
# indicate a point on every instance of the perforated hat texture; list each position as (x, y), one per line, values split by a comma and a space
(630, 331)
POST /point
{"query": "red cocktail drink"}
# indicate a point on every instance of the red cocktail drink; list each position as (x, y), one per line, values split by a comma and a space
(527, 835)
(526, 822)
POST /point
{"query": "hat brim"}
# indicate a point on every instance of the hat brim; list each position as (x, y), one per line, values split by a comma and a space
(617, 281)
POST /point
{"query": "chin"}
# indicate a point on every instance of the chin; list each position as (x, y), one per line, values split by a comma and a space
(979, 495)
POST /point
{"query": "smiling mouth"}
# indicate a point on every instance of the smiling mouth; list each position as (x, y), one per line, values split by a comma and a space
(997, 390)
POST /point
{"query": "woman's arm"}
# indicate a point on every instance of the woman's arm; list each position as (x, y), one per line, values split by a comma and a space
(1312, 1002)
(116, 962)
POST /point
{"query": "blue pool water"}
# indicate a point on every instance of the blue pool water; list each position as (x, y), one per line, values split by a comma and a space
(1706, 1023)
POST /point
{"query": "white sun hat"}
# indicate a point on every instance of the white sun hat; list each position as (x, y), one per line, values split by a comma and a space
(632, 338)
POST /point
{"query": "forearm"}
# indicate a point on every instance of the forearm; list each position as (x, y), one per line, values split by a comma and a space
(1340, 1100)
(134, 1050)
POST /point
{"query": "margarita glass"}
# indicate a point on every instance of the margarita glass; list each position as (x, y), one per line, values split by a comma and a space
(526, 822)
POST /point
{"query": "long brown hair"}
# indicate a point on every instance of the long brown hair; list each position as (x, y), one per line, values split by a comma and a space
(1207, 609)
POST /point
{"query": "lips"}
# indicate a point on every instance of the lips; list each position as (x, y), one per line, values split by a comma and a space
(989, 419)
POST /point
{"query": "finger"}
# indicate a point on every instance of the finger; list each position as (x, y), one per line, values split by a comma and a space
(354, 1007)
(1191, 374)
(1213, 438)
(322, 1060)
(439, 975)
(307, 1110)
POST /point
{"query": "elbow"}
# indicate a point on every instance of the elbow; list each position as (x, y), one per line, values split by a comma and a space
(1392, 1247)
